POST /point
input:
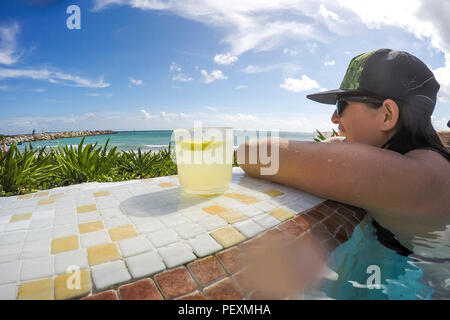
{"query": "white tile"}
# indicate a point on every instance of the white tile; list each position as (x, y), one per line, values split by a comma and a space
(36, 268)
(8, 292)
(307, 203)
(41, 223)
(88, 217)
(43, 214)
(189, 230)
(45, 207)
(17, 225)
(204, 245)
(35, 249)
(163, 237)
(250, 211)
(12, 237)
(116, 222)
(195, 214)
(145, 264)
(212, 222)
(176, 254)
(65, 231)
(65, 210)
(149, 226)
(9, 272)
(111, 212)
(65, 220)
(266, 220)
(9, 257)
(107, 202)
(173, 219)
(10, 249)
(297, 206)
(134, 246)
(72, 258)
(228, 202)
(36, 235)
(91, 239)
(248, 228)
(109, 273)
(267, 205)
(312, 199)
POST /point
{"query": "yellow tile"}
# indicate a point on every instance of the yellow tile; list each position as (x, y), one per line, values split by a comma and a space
(66, 285)
(64, 244)
(166, 184)
(36, 290)
(91, 226)
(56, 195)
(25, 196)
(45, 201)
(232, 216)
(281, 214)
(242, 197)
(102, 253)
(122, 232)
(215, 209)
(87, 208)
(18, 217)
(41, 194)
(227, 236)
(273, 193)
(102, 194)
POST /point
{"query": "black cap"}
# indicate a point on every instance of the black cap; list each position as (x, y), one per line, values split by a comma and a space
(386, 73)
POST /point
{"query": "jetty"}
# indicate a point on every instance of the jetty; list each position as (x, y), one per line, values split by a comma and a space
(54, 135)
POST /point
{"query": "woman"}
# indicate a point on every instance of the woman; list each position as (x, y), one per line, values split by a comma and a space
(392, 162)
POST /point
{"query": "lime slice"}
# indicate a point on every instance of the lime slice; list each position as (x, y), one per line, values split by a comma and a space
(203, 145)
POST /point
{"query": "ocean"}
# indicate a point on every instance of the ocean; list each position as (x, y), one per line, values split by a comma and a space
(157, 139)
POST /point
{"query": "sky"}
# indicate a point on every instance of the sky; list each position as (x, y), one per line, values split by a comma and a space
(153, 65)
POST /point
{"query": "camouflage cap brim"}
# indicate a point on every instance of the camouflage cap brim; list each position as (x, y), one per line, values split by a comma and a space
(331, 96)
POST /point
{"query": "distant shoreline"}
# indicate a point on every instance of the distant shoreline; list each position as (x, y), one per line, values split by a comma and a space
(54, 135)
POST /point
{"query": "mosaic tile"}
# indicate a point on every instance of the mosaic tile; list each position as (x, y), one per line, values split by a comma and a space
(234, 259)
(267, 205)
(273, 192)
(110, 273)
(204, 245)
(65, 220)
(196, 295)
(266, 220)
(102, 253)
(101, 194)
(250, 211)
(214, 209)
(41, 194)
(195, 214)
(94, 238)
(62, 261)
(10, 250)
(140, 290)
(175, 283)
(8, 292)
(36, 290)
(105, 295)
(232, 216)
(87, 208)
(9, 272)
(173, 219)
(224, 289)
(241, 197)
(67, 287)
(145, 264)
(116, 222)
(18, 217)
(35, 249)
(291, 229)
(176, 254)
(163, 237)
(281, 214)
(207, 270)
(134, 246)
(18, 225)
(166, 184)
(88, 217)
(122, 232)
(41, 223)
(46, 201)
(25, 196)
(36, 268)
(91, 226)
(213, 222)
(64, 244)
(189, 230)
(12, 237)
(111, 212)
(227, 236)
(248, 228)
(65, 231)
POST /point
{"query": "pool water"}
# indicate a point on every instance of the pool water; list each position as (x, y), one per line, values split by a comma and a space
(359, 261)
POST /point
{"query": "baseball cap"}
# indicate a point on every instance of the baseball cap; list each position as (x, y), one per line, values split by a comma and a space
(385, 73)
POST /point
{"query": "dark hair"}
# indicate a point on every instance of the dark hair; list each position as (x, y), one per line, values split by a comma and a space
(415, 130)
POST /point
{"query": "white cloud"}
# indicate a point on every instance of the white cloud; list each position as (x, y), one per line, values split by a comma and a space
(52, 77)
(240, 87)
(299, 85)
(213, 76)
(327, 14)
(136, 81)
(145, 115)
(289, 69)
(225, 59)
(8, 49)
(329, 63)
(214, 109)
(40, 90)
(174, 67)
(312, 47)
(98, 94)
(181, 77)
(291, 52)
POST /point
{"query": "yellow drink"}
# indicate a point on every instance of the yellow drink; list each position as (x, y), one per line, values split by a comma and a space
(204, 166)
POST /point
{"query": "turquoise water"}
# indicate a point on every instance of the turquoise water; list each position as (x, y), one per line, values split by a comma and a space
(152, 140)
(402, 278)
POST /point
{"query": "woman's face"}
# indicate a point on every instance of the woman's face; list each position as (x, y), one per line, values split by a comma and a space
(360, 123)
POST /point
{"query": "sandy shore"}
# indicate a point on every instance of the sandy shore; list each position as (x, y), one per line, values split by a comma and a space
(445, 138)
(54, 135)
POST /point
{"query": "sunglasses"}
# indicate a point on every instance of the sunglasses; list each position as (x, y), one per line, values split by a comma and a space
(343, 102)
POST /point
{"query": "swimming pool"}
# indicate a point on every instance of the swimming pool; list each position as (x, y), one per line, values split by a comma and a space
(363, 260)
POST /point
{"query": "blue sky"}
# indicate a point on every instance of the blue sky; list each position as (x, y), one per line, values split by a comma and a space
(148, 64)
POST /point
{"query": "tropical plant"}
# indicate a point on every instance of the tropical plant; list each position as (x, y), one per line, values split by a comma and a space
(321, 137)
(137, 164)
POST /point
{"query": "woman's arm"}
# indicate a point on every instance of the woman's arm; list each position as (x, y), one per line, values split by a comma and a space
(358, 174)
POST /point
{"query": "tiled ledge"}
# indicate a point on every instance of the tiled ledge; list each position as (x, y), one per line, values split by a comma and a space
(224, 275)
